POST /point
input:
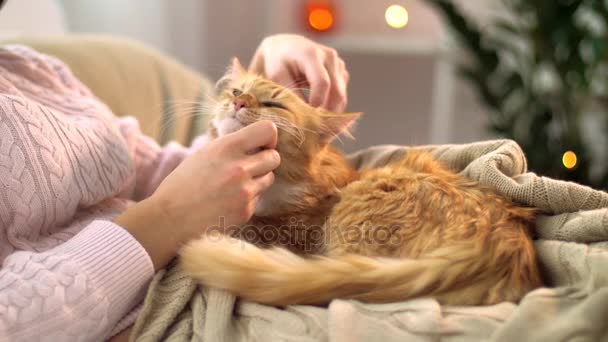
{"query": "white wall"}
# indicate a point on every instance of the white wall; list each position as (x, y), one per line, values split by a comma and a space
(31, 17)
(173, 27)
(231, 28)
(142, 19)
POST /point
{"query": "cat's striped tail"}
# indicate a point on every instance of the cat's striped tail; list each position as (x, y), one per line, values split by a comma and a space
(455, 275)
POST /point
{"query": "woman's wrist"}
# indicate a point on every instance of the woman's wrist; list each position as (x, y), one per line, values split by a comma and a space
(149, 224)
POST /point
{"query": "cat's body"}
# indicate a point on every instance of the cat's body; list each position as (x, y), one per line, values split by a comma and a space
(301, 226)
(409, 229)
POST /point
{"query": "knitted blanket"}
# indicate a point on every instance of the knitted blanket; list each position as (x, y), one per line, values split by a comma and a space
(572, 243)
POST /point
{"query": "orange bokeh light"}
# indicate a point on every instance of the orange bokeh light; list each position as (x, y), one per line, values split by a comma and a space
(321, 19)
(569, 159)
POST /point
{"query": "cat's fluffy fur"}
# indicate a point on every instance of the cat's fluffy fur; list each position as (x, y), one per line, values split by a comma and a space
(323, 231)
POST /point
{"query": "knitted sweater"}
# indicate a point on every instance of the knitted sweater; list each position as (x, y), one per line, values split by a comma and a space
(68, 166)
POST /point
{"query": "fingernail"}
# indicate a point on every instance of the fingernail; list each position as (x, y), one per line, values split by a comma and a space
(276, 155)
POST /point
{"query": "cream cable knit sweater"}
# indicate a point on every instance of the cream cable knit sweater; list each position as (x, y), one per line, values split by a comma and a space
(67, 168)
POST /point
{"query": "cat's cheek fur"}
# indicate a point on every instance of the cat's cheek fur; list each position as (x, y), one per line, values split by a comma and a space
(274, 200)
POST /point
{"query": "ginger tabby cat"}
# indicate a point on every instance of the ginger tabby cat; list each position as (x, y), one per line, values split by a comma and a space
(323, 231)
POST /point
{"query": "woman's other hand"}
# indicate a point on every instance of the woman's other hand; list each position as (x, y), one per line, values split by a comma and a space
(295, 62)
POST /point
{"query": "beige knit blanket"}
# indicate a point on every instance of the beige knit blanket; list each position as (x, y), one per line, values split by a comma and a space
(572, 245)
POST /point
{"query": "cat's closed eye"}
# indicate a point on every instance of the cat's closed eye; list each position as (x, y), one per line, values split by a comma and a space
(272, 104)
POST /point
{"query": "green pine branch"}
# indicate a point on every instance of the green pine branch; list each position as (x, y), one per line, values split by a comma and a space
(538, 94)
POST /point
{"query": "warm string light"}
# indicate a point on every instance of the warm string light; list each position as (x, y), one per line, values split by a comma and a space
(320, 15)
(320, 19)
(569, 159)
(396, 16)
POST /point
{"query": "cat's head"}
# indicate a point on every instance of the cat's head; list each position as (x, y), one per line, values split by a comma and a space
(245, 97)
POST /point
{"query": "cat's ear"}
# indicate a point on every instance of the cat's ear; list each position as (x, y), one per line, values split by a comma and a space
(336, 124)
(234, 71)
(237, 68)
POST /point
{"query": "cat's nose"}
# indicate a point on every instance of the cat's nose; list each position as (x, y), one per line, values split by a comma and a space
(239, 103)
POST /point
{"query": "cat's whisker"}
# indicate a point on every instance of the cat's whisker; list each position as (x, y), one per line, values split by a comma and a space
(287, 126)
(185, 105)
(204, 107)
(280, 122)
(189, 109)
(183, 108)
(299, 83)
(205, 99)
(166, 125)
(186, 109)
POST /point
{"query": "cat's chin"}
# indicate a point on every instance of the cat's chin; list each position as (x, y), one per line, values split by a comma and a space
(227, 126)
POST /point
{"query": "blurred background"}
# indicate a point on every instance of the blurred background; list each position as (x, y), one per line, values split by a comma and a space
(422, 71)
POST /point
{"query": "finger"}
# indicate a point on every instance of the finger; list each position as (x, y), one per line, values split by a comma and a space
(257, 63)
(262, 183)
(318, 78)
(345, 79)
(259, 135)
(262, 162)
(336, 101)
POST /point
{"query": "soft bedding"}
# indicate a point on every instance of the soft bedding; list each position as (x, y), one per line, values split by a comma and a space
(571, 240)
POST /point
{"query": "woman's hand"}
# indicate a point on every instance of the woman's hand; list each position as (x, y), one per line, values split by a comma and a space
(222, 179)
(295, 62)
(217, 185)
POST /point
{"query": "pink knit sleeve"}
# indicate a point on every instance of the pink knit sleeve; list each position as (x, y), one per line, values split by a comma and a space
(61, 155)
(152, 162)
(76, 291)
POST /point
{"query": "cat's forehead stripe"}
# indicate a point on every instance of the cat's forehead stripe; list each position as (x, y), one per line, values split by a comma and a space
(263, 85)
(276, 93)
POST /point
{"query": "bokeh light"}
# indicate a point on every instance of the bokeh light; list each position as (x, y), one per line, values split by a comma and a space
(569, 159)
(320, 19)
(396, 16)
